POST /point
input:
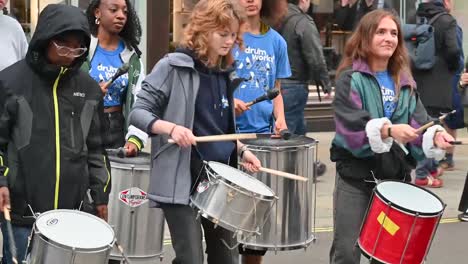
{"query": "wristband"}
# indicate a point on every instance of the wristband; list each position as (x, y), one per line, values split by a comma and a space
(242, 150)
(389, 131)
(172, 130)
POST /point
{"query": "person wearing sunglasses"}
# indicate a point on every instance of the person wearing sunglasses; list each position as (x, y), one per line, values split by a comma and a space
(116, 33)
(51, 116)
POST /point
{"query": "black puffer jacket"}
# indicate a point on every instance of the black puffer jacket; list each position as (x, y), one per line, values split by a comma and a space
(50, 126)
(435, 85)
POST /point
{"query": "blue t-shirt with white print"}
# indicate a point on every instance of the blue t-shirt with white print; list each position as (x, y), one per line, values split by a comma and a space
(104, 65)
(264, 59)
(387, 87)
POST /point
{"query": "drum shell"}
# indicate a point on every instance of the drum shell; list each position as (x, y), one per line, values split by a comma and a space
(44, 250)
(139, 229)
(414, 233)
(231, 206)
(290, 223)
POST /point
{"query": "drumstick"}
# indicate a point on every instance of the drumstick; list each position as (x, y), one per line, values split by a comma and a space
(281, 173)
(6, 213)
(428, 125)
(119, 247)
(461, 141)
(225, 137)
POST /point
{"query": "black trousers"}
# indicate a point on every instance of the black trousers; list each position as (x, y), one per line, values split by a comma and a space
(463, 207)
(114, 127)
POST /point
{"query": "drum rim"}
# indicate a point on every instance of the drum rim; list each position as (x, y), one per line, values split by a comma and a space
(406, 210)
(49, 240)
(279, 148)
(304, 245)
(138, 167)
(368, 255)
(242, 189)
(73, 249)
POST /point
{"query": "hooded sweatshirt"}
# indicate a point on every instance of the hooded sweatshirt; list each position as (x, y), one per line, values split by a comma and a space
(50, 133)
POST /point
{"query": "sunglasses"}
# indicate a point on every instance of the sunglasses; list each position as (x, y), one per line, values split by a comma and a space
(65, 51)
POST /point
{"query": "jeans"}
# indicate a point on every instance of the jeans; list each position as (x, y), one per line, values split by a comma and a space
(295, 99)
(350, 202)
(425, 167)
(21, 235)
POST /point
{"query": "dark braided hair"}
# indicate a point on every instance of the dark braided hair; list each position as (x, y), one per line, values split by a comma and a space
(131, 32)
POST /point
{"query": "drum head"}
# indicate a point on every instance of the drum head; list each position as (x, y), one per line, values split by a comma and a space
(410, 197)
(265, 140)
(240, 178)
(143, 158)
(75, 229)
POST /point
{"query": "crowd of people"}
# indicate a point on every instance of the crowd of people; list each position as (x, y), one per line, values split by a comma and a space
(61, 109)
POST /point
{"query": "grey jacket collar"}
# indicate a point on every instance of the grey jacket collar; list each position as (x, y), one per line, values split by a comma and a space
(179, 59)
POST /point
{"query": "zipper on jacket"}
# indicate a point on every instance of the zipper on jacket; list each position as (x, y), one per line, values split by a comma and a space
(72, 130)
(57, 137)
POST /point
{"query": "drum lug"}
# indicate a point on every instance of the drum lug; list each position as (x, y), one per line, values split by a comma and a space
(216, 222)
(230, 196)
(198, 215)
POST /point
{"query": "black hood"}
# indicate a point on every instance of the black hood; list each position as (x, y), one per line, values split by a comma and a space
(430, 9)
(54, 20)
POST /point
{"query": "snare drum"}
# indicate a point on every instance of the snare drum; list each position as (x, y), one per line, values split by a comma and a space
(291, 222)
(401, 221)
(72, 237)
(232, 199)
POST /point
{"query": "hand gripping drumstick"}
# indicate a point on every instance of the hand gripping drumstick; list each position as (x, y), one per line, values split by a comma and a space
(225, 137)
(6, 213)
(270, 95)
(281, 173)
(121, 71)
(436, 122)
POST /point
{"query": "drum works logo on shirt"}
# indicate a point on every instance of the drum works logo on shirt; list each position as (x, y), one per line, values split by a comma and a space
(255, 67)
(133, 197)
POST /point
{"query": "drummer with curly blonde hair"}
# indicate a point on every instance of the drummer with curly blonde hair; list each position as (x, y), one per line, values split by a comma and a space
(377, 114)
(189, 94)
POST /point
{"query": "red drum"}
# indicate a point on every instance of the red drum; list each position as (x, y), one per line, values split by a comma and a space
(401, 221)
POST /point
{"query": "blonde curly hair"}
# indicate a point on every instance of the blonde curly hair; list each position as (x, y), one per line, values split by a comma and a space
(209, 16)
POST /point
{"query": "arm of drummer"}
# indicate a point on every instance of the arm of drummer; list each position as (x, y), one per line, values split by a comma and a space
(7, 113)
(151, 104)
(249, 160)
(434, 142)
(98, 163)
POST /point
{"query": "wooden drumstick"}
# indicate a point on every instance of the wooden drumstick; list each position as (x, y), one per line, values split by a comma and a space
(281, 173)
(225, 137)
(6, 214)
(460, 141)
(428, 125)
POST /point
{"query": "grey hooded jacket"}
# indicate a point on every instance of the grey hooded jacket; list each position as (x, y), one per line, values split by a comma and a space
(173, 86)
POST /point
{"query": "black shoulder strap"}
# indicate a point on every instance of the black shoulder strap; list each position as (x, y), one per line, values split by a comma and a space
(434, 18)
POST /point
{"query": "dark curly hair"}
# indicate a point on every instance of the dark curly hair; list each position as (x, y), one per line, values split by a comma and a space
(131, 32)
(273, 11)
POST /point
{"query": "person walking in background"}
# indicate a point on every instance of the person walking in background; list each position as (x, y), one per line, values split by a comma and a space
(455, 121)
(435, 85)
(13, 43)
(372, 124)
(50, 127)
(305, 53)
(188, 94)
(116, 32)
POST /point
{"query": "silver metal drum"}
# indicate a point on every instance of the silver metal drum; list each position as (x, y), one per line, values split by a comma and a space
(71, 237)
(233, 199)
(291, 222)
(138, 228)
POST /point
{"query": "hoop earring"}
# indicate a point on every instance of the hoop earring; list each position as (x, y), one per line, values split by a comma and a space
(97, 21)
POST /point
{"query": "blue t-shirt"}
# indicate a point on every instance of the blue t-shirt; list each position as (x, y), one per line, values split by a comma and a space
(104, 65)
(264, 60)
(387, 87)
